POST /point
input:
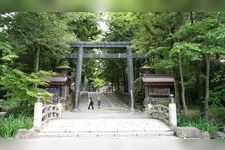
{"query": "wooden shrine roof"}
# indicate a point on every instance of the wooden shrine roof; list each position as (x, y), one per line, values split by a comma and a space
(157, 78)
(58, 80)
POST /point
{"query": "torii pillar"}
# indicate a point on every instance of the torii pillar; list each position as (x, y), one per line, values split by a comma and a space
(130, 78)
(78, 79)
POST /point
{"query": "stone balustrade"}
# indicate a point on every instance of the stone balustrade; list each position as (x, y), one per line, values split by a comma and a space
(164, 113)
(159, 112)
(43, 113)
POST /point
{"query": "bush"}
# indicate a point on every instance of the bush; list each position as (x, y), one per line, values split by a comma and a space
(27, 111)
(16, 118)
(198, 122)
(139, 94)
(10, 125)
(217, 114)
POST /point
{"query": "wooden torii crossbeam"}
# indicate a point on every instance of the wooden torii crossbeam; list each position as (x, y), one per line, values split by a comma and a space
(106, 55)
(101, 44)
(104, 45)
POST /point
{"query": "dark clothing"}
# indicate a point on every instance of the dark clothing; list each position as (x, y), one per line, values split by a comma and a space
(91, 104)
(99, 103)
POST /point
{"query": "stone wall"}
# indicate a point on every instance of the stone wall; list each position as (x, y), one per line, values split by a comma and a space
(190, 133)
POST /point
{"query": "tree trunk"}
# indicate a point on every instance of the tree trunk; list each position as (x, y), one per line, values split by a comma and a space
(199, 88)
(177, 94)
(118, 84)
(182, 86)
(191, 17)
(112, 86)
(207, 58)
(36, 59)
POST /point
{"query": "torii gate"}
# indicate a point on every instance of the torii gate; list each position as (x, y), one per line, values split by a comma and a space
(80, 55)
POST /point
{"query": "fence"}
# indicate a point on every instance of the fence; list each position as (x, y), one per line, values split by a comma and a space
(164, 113)
(43, 113)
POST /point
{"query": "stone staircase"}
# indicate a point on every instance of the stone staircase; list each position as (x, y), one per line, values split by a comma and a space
(107, 129)
(111, 121)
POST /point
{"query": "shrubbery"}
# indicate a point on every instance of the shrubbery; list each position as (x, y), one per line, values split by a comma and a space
(15, 119)
(11, 124)
(198, 122)
(27, 111)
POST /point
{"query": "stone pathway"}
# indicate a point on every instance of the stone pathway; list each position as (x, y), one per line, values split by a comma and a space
(111, 121)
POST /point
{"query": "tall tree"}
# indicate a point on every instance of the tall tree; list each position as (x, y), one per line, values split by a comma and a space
(36, 33)
(84, 25)
(202, 41)
(122, 26)
(155, 39)
(18, 86)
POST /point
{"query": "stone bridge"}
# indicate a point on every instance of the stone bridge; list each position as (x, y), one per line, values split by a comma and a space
(112, 120)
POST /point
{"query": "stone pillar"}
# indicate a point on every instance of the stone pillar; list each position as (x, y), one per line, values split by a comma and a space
(149, 107)
(38, 112)
(78, 79)
(130, 78)
(146, 92)
(59, 106)
(172, 112)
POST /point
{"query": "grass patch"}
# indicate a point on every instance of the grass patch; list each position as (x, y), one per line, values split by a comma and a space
(10, 125)
(217, 114)
(27, 111)
(16, 118)
(198, 122)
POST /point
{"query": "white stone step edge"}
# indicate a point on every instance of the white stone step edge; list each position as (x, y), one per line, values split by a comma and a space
(97, 135)
(103, 131)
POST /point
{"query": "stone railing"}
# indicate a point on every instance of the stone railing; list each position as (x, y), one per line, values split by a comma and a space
(43, 113)
(164, 113)
(159, 112)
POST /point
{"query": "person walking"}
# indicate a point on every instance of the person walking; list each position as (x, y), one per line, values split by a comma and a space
(91, 103)
(99, 103)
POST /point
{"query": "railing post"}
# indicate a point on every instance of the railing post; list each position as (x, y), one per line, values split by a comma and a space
(149, 107)
(59, 106)
(172, 112)
(38, 112)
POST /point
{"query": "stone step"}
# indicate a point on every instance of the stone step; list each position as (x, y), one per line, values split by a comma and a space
(109, 135)
(106, 125)
(72, 130)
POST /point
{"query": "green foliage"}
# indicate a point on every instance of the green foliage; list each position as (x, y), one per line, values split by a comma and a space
(198, 122)
(163, 64)
(217, 33)
(20, 86)
(217, 95)
(216, 113)
(139, 91)
(83, 25)
(217, 91)
(16, 112)
(189, 36)
(155, 38)
(98, 82)
(16, 118)
(48, 32)
(190, 50)
(122, 26)
(10, 125)
(6, 50)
